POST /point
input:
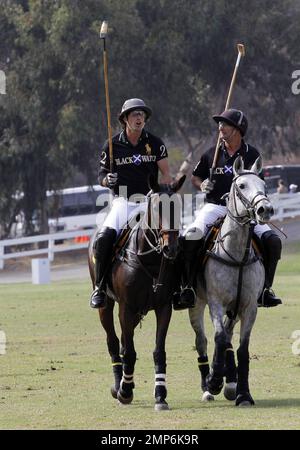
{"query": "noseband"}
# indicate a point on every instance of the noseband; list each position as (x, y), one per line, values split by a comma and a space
(157, 246)
(250, 205)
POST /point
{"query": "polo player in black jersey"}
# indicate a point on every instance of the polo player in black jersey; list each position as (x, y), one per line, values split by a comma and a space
(136, 154)
(232, 127)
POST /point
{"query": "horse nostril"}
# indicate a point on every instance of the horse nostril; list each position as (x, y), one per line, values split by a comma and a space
(260, 210)
(265, 211)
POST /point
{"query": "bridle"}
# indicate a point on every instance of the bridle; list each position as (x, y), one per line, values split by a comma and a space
(156, 245)
(157, 233)
(248, 218)
(250, 205)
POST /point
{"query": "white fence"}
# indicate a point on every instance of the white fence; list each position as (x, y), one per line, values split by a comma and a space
(54, 244)
(285, 206)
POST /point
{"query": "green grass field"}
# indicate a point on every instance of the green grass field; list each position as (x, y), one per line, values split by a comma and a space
(56, 371)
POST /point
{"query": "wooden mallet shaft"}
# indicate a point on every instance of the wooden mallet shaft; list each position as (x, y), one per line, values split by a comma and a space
(241, 53)
(103, 34)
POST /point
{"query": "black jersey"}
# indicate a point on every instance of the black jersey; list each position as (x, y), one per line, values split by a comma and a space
(223, 173)
(133, 164)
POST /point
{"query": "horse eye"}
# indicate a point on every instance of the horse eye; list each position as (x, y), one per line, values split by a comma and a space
(241, 186)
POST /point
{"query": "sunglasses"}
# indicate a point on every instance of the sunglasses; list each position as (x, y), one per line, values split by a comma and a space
(138, 113)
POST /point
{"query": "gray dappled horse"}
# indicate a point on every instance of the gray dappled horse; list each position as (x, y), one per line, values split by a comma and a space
(142, 278)
(232, 281)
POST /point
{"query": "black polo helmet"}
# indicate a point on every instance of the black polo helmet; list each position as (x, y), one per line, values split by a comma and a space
(132, 104)
(235, 118)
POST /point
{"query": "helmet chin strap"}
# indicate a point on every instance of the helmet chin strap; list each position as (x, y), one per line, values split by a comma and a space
(130, 127)
(230, 136)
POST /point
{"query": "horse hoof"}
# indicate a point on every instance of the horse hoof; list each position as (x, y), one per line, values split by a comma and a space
(244, 399)
(161, 406)
(114, 392)
(245, 404)
(207, 397)
(215, 388)
(230, 391)
(214, 384)
(124, 400)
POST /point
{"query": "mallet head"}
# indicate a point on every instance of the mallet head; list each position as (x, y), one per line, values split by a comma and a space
(103, 31)
(241, 49)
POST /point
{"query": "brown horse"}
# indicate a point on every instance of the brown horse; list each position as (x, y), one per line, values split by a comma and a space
(142, 278)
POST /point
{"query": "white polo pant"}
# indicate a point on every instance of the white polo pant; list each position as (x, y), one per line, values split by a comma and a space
(122, 211)
(207, 215)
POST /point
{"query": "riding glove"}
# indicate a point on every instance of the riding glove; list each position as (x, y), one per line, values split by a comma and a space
(111, 179)
(207, 186)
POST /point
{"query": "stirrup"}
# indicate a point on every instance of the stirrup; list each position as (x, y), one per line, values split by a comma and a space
(184, 299)
(98, 298)
(268, 299)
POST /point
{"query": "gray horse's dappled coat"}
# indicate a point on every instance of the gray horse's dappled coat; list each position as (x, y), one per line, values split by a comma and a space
(232, 274)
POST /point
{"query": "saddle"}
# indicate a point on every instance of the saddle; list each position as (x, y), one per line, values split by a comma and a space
(124, 237)
(211, 236)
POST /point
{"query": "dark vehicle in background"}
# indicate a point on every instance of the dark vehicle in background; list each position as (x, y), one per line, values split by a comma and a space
(290, 174)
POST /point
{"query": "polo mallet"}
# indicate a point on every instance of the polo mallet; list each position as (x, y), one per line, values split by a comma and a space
(103, 33)
(241, 52)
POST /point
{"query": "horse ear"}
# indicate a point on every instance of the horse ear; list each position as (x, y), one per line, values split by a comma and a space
(178, 184)
(238, 166)
(257, 166)
(152, 183)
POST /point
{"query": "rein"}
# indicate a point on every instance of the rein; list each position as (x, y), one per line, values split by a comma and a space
(245, 261)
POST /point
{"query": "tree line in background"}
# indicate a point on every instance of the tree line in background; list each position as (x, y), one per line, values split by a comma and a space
(178, 55)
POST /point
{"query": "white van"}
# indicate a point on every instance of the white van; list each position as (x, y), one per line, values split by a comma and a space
(77, 208)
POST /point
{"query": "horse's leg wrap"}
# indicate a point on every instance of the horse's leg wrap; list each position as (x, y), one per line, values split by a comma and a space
(242, 390)
(117, 371)
(215, 378)
(230, 374)
(203, 365)
(160, 389)
(230, 366)
(243, 370)
(125, 393)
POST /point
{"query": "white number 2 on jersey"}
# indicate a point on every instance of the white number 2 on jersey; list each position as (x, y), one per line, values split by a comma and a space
(103, 158)
(163, 151)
